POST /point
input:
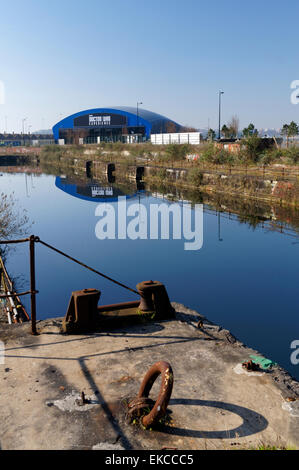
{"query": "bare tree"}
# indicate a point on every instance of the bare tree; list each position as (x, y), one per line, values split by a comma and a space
(234, 125)
(171, 128)
(13, 222)
(188, 129)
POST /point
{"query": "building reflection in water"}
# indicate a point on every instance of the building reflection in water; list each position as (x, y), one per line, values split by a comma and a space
(90, 189)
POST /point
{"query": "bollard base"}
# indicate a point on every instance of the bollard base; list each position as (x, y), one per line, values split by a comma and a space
(154, 299)
(82, 315)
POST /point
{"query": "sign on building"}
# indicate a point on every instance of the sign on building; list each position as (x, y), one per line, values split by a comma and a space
(100, 120)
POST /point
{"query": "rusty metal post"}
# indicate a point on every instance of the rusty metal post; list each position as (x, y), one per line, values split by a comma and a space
(32, 284)
(154, 298)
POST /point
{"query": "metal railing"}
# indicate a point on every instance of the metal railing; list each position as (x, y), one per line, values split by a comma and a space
(32, 240)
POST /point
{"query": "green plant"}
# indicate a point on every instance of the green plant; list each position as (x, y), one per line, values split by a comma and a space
(253, 148)
(250, 131)
(269, 156)
(293, 155)
(177, 152)
(211, 135)
(195, 176)
(216, 155)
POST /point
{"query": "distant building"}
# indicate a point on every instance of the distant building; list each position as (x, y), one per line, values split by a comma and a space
(120, 124)
(18, 140)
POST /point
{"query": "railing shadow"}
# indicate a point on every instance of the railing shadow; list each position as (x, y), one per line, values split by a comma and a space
(105, 407)
(253, 422)
(178, 340)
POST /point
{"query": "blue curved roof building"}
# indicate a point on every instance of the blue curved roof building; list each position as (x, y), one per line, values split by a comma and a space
(112, 124)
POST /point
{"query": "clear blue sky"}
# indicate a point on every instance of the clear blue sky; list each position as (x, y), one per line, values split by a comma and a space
(60, 57)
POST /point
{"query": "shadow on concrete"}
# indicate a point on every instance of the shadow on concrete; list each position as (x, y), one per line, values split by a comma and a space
(120, 435)
(179, 339)
(140, 329)
(253, 422)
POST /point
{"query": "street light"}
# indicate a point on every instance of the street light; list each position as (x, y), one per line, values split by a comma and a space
(23, 122)
(138, 103)
(220, 93)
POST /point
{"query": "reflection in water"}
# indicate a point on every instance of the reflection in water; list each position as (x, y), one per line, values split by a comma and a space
(269, 217)
(284, 220)
(94, 190)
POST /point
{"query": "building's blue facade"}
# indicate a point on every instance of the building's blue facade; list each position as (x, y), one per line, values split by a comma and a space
(114, 122)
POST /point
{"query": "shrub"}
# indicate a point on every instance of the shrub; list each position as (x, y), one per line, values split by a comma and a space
(52, 152)
(292, 154)
(195, 176)
(217, 156)
(177, 152)
(269, 157)
(253, 148)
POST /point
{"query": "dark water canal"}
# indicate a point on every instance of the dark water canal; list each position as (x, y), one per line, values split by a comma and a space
(244, 277)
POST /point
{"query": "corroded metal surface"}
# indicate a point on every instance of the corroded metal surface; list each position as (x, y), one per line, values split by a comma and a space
(82, 311)
(142, 402)
(154, 298)
(250, 366)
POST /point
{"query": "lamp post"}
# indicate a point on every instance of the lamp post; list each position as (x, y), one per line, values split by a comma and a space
(220, 93)
(23, 122)
(138, 103)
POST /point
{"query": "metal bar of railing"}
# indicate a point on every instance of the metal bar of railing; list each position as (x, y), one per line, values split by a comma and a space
(11, 242)
(17, 294)
(32, 284)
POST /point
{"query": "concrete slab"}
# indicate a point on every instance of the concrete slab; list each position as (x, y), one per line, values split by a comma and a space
(213, 406)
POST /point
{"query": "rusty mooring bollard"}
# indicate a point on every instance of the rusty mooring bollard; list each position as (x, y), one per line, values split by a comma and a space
(154, 298)
(82, 313)
(139, 405)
